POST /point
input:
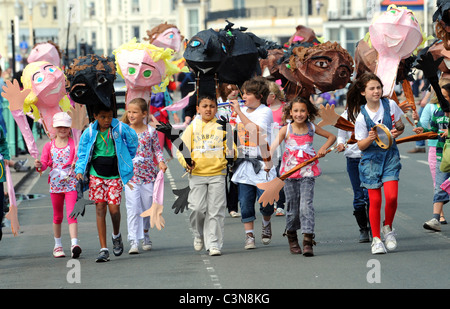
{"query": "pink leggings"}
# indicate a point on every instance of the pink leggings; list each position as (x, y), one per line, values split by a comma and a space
(390, 195)
(58, 206)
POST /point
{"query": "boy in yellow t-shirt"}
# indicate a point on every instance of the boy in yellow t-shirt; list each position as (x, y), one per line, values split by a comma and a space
(207, 198)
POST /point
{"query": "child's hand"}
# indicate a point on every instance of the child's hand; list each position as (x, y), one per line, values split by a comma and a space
(340, 147)
(37, 163)
(322, 152)
(235, 105)
(415, 115)
(395, 133)
(372, 135)
(79, 176)
(189, 168)
(162, 166)
(418, 130)
(444, 134)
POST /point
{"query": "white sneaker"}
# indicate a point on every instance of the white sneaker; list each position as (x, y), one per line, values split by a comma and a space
(378, 246)
(433, 225)
(389, 237)
(146, 243)
(134, 247)
(234, 214)
(58, 252)
(214, 252)
(249, 241)
(266, 234)
(198, 244)
(280, 212)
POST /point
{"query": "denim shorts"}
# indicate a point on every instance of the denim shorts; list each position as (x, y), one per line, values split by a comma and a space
(439, 194)
(379, 167)
(248, 195)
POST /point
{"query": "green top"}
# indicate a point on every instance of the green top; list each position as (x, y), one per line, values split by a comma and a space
(104, 147)
(438, 123)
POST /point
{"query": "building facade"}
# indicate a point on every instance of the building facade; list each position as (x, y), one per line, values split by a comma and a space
(103, 25)
(34, 21)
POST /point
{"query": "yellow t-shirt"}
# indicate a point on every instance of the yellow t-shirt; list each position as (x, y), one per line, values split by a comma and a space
(205, 141)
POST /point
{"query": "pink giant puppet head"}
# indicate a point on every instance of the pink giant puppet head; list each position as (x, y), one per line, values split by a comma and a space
(165, 36)
(145, 68)
(48, 93)
(45, 52)
(396, 35)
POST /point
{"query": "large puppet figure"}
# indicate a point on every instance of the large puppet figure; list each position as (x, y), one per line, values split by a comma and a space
(392, 39)
(395, 34)
(324, 67)
(43, 96)
(303, 34)
(91, 82)
(48, 51)
(48, 93)
(442, 19)
(145, 68)
(232, 55)
(165, 36)
(243, 51)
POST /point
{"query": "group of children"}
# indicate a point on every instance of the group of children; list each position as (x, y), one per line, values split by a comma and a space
(113, 154)
(126, 153)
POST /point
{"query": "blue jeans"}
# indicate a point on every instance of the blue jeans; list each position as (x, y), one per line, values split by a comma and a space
(439, 194)
(360, 195)
(248, 194)
(300, 208)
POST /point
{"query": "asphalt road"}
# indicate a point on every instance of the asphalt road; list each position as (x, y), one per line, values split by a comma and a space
(420, 261)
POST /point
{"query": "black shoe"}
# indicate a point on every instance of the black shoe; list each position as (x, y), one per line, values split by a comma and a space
(364, 235)
(103, 256)
(117, 246)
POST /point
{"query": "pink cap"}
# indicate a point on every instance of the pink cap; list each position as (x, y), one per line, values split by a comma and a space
(62, 119)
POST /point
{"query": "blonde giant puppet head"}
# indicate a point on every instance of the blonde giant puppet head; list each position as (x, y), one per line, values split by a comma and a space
(48, 93)
(145, 68)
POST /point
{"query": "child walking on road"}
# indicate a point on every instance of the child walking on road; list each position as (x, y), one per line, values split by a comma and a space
(298, 136)
(378, 167)
(254, 120)
(59, 155)
(360, 195)
(438, 124)
(139, 197)
(204, 138)
(105, 151)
